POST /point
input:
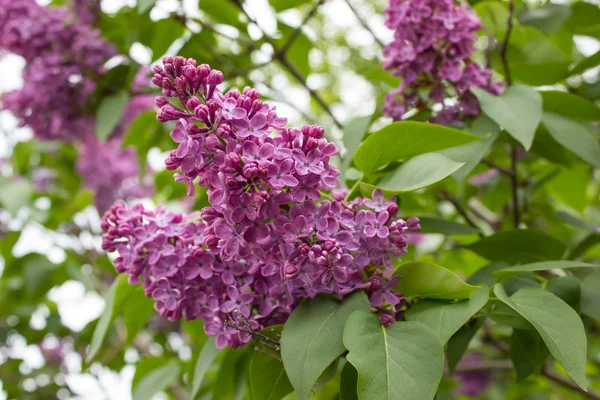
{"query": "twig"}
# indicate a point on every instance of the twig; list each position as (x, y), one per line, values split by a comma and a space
(364, 24)
(445, 195)
(298, 30)
(546, 371)
(513, 151)
(515, 186)
(500, 168)
(280, 57)
(504, 47)
(486, 366)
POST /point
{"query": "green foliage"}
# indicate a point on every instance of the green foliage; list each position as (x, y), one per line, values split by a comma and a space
(109, 113)
(519, 246)
(446, 318)
(518, 110)
(207, 355)
(312, 338)
(428, 280)
(404, 361)
(402, 140)
(558, 324)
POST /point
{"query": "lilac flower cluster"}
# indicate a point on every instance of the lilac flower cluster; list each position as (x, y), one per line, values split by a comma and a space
(431, 52)
(63, 57)
(269, 237)
(110, 172)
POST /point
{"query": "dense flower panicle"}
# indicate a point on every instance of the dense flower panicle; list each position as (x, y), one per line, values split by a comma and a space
(268, 239)
(431, 52)
(63, 57)
(110, 171)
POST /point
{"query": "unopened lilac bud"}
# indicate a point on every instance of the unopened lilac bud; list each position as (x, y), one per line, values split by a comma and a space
(161, 101)
(250, 171)
(413, 224)
(211, 241)
(192, 103)
(392, 209)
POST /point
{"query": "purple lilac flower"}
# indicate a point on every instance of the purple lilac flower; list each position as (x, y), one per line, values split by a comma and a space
(472, 383)
(111, 172)
(268, 239)
(431, 52)
(63, 57)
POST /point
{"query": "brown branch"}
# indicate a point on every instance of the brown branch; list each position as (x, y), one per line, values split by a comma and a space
(500, 168)
(364, 24)
(445, 195)
(569, 384)
(486, 366)
(504, 47)
(290, 40)
(281, 58)
(546, 371)
(515, 186)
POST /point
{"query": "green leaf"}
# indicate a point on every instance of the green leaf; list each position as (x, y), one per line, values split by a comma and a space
(568, 288)
(312, 337)
(528, 352)
(354, 131)
(558, 324)
(542, 266)
(403, 140)
(164, 33)
(268, 380)
(115, 299)
(15, 194)
(282, 5)
(348, 382)
(472, 153)
(109, 113)
(547, 19)
(446, 318)
(156, 380)
(459, 342)
(569, 186)
(518, 110)
(587, 63)
(206, 357)
(420, 279)
(145, 5)
(584, 19)
(570, 105)
(519, 246)
(222, 12)
(419, 172)
(590, 295)
(136, 314)
(402, 362)
(436, 225)
(575, 136)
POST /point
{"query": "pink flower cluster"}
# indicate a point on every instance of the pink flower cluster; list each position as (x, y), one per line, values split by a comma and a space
(63, 58)
(431, 52)
(269, 237)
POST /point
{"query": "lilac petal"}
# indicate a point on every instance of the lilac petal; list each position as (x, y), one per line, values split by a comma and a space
(383, 232)
(266, 150)
(289, 180)
(238, 113)
(258, 121)
(340, 274)
(343, 237)
(221, 341)
(183, 149)
(178, 135)
(370, 231)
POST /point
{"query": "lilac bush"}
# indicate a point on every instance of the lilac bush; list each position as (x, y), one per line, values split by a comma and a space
(270, 236)
(432, 53)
